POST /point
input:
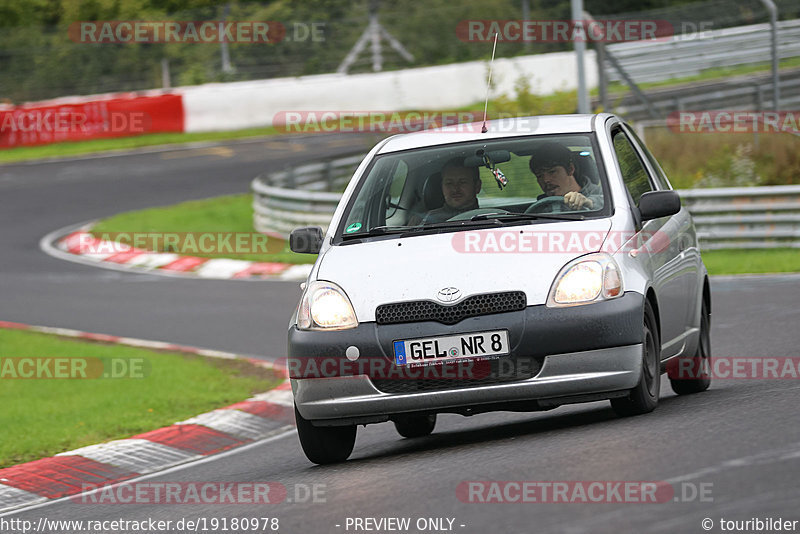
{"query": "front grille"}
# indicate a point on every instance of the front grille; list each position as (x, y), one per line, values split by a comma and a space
(482, 373)
(428, 310)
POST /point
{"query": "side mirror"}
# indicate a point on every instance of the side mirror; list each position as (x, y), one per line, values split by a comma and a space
(306, 240)
(655, 204)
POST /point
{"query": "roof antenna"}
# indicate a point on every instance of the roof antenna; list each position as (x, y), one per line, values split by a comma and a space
(484, 129)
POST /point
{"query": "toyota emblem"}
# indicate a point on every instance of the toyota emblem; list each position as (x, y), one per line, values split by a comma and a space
(449, 294)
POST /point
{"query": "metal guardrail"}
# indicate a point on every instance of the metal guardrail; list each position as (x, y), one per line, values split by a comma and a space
(300, 196)
(753, 93)
(740, 217)
(648, 61)
(745, 217)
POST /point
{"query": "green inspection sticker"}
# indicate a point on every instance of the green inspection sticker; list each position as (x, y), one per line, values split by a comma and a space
(355, 227)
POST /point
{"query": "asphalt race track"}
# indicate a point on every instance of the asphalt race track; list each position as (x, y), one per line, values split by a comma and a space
(39, 198)
(739, 442)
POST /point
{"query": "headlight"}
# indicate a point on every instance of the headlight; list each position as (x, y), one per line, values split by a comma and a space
(325, 306)
(587, 279)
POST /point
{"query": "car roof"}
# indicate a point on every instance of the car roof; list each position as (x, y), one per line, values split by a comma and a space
(496, 129)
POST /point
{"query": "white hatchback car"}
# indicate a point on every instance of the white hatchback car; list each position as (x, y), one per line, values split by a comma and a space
(543, 262)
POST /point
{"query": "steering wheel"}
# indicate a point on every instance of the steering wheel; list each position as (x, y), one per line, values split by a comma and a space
(467, 215)
(554, 204)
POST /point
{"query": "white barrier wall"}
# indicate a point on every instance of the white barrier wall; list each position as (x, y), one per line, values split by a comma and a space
(232, 106)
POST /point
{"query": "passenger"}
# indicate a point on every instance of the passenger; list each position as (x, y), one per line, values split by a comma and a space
(553, 165)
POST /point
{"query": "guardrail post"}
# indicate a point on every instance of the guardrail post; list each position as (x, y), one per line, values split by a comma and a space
(759, 97)
(759, 106)
(602, 77)
(773, 24)
(329, 175)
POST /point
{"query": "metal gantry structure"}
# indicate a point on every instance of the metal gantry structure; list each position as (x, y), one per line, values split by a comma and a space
(373, 34)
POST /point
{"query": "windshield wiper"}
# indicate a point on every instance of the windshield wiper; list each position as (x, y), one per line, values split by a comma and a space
(528, 216)
(453, 224)
(379, 230)
(405, 230)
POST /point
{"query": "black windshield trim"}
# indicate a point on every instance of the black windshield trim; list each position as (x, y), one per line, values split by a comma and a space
(340, 237)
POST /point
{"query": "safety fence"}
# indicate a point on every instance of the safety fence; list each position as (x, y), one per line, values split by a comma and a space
(740, 217)
(750, 92)
(745, 217)
(691, 54)
(306, 195)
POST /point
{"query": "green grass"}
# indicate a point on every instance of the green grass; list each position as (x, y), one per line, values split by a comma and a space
(42, 417)
(525, 104)
(232, 214)
(79, 148)
(733, 261)
(697, 160)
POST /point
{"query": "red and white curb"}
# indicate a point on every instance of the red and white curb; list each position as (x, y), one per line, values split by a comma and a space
(69, 473)
(78, 244)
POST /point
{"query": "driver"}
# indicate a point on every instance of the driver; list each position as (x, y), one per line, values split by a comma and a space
(460, 187)
(553, 166)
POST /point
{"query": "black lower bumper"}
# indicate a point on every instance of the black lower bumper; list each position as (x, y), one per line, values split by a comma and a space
(535, 332)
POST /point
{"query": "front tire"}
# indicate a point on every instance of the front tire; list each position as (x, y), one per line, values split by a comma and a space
(415, 426)
(699, 366)
(325, 444)
(644, 397)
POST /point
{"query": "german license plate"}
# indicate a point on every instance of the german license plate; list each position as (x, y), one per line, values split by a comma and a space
(442, 348)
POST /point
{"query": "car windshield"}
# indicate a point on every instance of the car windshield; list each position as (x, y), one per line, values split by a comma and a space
(503, 181)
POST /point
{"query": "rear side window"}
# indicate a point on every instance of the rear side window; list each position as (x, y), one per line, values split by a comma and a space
(634, 173)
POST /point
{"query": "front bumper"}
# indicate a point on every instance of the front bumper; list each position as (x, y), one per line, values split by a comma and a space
(580, 353)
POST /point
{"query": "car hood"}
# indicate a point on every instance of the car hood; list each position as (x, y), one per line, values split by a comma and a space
(514, 258)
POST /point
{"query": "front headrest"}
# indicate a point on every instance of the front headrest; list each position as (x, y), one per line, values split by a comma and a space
(432, 195)
(586, 167)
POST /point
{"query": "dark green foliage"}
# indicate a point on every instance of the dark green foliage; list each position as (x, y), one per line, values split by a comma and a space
(38, 60)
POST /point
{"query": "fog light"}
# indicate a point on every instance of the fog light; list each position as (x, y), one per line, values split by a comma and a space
(352, 353)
